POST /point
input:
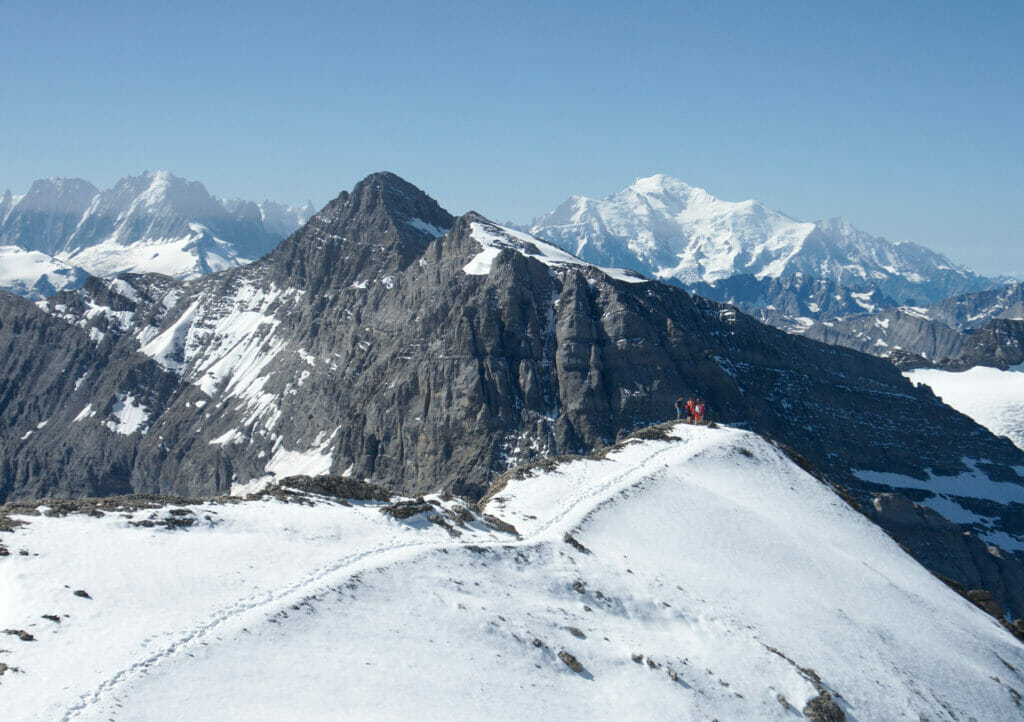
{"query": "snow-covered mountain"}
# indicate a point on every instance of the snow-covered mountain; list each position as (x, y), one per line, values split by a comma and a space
(153, 222)
(667, 229)
(390, 341)
(277, 218)
(703, 576)
(46, 274)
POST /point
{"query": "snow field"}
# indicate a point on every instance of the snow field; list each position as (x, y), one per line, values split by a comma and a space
(993, 398)
(701, 554)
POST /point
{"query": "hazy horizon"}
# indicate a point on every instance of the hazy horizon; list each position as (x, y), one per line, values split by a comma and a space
(903, 119)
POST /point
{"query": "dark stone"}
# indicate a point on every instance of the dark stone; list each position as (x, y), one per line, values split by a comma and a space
(500, 524)
(824, 709)
(82, 593)
(337, 487)
(572, 541)
(571, 662)
(982, 598)
(407, 509)
(20, 634)
(52, 617)
(578, 633)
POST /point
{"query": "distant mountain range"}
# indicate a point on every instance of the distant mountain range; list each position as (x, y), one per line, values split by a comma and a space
(64, 229)
(750, 255)
(974, 329)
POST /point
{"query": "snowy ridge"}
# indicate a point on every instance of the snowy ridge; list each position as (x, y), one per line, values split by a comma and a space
(224, 349)
(703, 576)
(494, 239)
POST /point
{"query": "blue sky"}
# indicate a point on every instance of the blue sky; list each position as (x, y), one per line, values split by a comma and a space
(905, 117)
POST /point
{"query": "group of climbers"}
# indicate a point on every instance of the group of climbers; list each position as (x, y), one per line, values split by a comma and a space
(696, 410)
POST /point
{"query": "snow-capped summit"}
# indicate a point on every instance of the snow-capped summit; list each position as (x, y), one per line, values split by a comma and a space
(152, 222)
(664, 227)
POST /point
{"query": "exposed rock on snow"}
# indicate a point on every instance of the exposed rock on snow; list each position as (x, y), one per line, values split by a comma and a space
(980, 329)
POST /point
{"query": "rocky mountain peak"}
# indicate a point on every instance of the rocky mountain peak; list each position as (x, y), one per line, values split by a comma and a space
(375, 230)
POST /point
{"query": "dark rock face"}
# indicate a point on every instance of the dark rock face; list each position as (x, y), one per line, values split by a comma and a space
(366, 333)
(332, 251)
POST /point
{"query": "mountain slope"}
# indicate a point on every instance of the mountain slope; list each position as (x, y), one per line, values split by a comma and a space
(704, 576)
(958, 333)
(664, 228)
(153, 222)
(36, 275)
(389, 341)
(364, 341)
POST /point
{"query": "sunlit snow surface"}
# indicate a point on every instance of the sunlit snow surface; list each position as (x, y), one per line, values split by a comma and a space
(702, 556)
(494, 239)
(22, 270)
(993, 398)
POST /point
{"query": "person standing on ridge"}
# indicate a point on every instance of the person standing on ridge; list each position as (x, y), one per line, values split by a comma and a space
(689, 410)
(679, 407)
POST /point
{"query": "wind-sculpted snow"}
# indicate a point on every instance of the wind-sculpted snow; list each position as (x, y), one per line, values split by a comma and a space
(703, 576)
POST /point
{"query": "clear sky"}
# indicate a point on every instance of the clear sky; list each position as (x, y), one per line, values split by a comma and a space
(905, 117)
